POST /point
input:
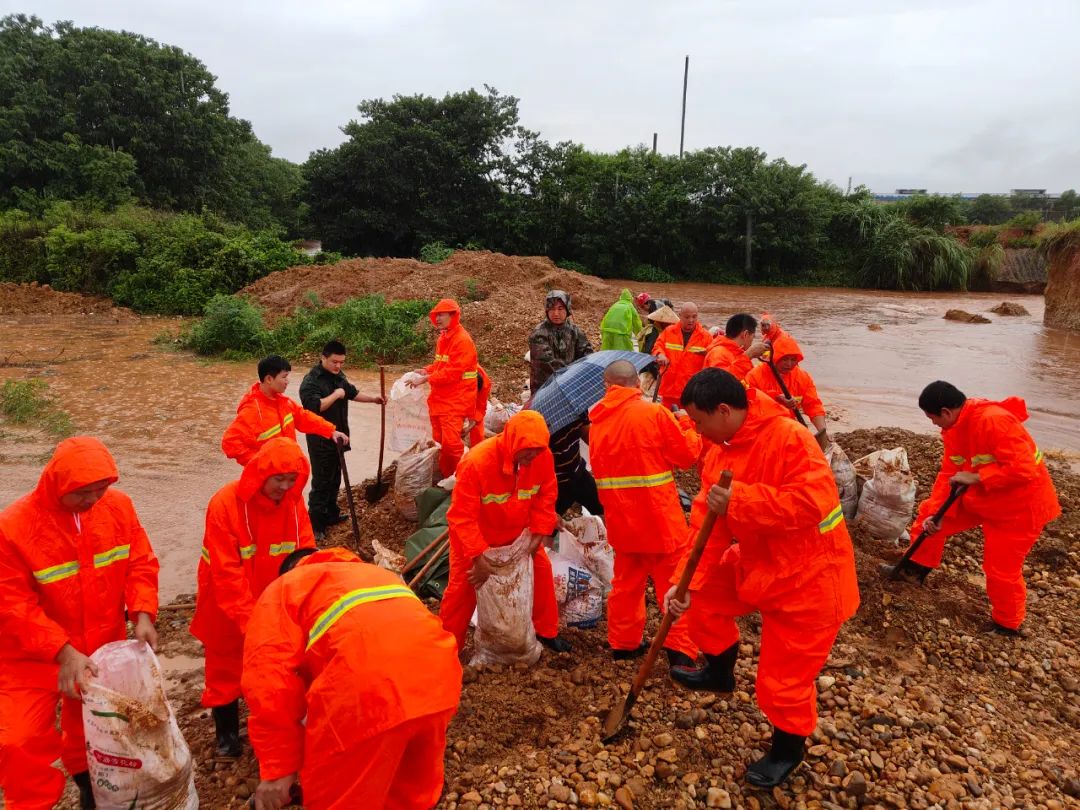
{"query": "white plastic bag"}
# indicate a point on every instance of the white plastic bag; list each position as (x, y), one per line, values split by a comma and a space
(504, 606)
(888, 497)
(497, 415)
(409, 421)
(136, 753)
(416, 469)
(847, 482)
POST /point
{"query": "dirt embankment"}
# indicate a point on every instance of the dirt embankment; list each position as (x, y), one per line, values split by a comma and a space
(1063, 290)
(36, 299)
(504, 295)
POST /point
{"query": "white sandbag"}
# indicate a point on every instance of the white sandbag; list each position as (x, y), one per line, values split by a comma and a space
(504, 605)
(416, 470)
(888, 496)
(498, 414)
(408, 410)
(584, 541)
(136, 754)
(847, 482)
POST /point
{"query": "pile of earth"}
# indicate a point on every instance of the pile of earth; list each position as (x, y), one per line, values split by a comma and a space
(503, 295)
(41, 299)
(919, 708)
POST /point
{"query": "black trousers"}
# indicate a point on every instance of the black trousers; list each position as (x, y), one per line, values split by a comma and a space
(325, 483)
(580, 488)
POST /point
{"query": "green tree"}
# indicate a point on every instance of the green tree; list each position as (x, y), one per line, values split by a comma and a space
(990, 209)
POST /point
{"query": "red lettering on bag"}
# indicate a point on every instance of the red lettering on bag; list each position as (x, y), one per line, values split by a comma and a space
(118, 762)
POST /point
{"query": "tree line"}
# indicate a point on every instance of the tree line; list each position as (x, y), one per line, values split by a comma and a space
(103, 131)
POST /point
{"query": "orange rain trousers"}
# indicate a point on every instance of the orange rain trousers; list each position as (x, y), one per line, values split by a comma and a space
(398, 769)
(626, 602)
(446, 430)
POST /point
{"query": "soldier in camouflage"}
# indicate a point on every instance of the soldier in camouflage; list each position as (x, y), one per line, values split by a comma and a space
(556, 342)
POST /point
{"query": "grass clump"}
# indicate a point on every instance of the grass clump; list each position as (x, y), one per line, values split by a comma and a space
(28, 402)
(374, 330)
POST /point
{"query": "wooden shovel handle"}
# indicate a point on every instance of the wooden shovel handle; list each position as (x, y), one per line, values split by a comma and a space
(680, 591)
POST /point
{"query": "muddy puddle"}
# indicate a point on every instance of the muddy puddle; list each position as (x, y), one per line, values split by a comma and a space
(161, 414)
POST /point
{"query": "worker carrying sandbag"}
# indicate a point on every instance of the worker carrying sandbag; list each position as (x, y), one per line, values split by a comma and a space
(1009, 494)
(504, 486)
(634, 445)
(74, 564)
(793, 562)
(351, 683)
(252, 524)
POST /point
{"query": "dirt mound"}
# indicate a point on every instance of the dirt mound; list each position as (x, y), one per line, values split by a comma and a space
(502, 296)
(965, 317)
(35, 299)
(1009, 308)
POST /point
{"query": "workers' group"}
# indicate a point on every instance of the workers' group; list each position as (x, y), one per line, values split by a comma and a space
(350, 681)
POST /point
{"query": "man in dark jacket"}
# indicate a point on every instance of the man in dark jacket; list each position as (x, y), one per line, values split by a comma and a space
(556, 342)
(326, 391)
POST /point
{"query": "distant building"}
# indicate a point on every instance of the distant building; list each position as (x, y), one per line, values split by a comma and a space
(309, 247)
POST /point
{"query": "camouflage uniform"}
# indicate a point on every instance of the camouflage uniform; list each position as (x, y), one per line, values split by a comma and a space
(553, 347)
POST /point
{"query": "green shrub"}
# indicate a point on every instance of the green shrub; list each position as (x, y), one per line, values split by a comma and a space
(435, 253)
(983, 238)
(230, 324)
(651, 275)
(28, 402)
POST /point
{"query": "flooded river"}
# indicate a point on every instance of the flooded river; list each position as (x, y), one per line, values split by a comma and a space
(163, 413)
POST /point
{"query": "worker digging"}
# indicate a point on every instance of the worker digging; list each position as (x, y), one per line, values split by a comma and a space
(353, 681)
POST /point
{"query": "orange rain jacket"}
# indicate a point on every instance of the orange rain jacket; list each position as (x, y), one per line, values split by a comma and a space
(66, 576)
(724, 353)
(247, 537)
(339, 651)
(784, 511)
(685, 361)
(633, 446)
(452, 376)
(260, 418)
(798, 382)
(1014, 485)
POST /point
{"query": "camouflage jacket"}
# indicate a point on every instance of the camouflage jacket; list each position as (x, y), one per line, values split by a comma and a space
(552, 347)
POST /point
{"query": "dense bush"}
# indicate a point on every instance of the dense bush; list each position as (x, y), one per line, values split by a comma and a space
(147, 260)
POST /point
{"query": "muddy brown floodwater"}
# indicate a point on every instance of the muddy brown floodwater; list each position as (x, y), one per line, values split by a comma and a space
(161, 413)
(869, 378)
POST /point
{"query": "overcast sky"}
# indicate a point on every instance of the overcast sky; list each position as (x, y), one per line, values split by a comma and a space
(949, 95)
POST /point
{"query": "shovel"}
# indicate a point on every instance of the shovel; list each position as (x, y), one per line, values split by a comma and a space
(821, 436)
(955, 492)
(374, 492)
(618, 716)
(352, 503)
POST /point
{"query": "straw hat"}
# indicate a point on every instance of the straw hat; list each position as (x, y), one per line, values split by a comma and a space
(664, 315)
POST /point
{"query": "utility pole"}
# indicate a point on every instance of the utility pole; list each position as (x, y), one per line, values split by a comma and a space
(682, 128)
(654, 143)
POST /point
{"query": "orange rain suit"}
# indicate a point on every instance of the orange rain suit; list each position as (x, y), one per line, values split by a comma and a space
(247, 537)
(799, 383)
(686, 358)
(724, 353)
(260, 418)
(1012, 502)
(633, 446)
(65, 578)
(453, 386)
(351, 684)
(792, 562)
(492, 504)
(476, 435)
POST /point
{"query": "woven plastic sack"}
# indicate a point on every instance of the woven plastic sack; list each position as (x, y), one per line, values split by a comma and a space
(136, 754)
(888, 496)
(416, 470)
(504, 604)
(847, 481)
(407, 407)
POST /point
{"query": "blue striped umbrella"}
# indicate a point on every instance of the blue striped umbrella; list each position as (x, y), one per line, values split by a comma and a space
(572, 390)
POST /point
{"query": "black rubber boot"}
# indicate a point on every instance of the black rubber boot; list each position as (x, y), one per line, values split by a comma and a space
(626, 655)
(909, 572)
(227, 730)
(555, 643)
(679, 659)
(718, 674)
(784, 757)
(86, 792)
